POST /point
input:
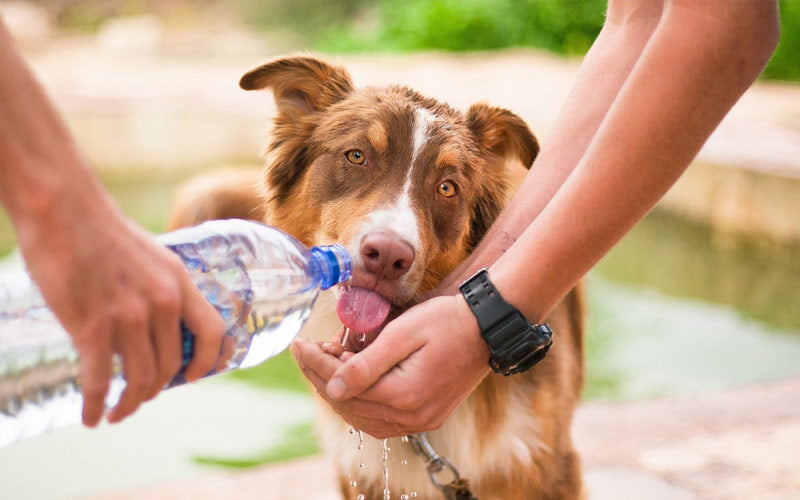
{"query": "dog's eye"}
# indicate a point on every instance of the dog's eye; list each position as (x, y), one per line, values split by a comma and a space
(447, 189)
(356, 157)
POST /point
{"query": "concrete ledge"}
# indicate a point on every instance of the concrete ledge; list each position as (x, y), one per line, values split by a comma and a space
(735, 200)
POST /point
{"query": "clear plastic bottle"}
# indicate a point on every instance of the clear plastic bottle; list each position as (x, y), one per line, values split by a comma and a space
(262, 281)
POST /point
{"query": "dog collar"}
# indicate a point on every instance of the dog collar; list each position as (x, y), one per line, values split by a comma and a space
(515, 344)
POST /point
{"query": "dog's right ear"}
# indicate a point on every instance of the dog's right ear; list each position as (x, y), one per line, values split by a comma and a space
(300, 84)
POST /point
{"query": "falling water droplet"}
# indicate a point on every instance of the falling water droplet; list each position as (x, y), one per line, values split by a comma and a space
(345, 334)
(353, 483)
(404, 439)
(360, 496)
(404, 462)
(362, 465)
(362, 337)
(360, 440)
(404, 496)
(386, 492)
(413, 494)
(352, 430)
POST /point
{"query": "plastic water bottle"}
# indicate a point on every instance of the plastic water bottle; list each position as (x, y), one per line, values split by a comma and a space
(262, 281)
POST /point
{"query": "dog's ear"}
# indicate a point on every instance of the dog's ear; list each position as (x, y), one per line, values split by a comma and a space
(303, 86)
(500, 136)
(502, 133)
(300, 84)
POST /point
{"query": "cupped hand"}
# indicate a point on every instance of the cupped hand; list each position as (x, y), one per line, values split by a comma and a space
(116, 290)
(410, 379)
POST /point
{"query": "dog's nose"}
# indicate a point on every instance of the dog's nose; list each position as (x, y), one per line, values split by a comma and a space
(386, 256)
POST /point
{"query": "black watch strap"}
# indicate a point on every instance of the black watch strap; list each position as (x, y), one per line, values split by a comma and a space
(515, 344)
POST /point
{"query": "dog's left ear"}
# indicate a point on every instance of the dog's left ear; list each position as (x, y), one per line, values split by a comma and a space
(300, 84)
(502, 133)
(500, 136)
(303, 86)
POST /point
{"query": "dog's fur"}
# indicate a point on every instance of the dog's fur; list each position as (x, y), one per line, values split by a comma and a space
(432, 180)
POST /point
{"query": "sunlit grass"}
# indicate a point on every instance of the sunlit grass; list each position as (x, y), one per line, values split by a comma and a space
(298, 441)
(280, 372)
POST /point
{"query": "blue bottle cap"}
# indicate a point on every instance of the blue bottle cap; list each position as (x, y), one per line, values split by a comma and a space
(334, 264)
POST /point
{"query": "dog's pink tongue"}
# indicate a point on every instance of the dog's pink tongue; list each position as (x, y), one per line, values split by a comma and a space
(362, 310)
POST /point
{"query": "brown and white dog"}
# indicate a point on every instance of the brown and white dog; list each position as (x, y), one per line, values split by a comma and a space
(409, 186)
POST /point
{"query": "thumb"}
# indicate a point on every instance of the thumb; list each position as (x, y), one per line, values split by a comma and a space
(365, 368)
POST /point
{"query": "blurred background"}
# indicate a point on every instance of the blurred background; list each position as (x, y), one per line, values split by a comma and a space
(702, 297)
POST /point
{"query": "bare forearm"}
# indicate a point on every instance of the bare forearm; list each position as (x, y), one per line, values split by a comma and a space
(699, 61)
(38, 158)
(602, 73)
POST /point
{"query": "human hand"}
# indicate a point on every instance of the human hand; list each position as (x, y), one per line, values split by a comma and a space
(116, 290)
(410, 379)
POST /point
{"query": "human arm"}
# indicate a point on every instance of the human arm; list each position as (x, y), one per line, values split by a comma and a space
(596, 179)
(112, 286)
(699, 61)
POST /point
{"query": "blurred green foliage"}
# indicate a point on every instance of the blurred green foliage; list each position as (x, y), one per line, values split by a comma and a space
(566, 27)
(8, 238)
(785, 62)
(562, 26)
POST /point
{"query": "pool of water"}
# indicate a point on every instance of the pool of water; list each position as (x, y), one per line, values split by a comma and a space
(674, 308)
(642, 343)
(679, 258)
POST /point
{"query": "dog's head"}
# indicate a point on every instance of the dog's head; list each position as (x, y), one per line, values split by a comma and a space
(407, 184)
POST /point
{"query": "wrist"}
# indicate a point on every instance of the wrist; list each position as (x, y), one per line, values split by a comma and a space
(59, 205)
(472, 333)
(514, 343)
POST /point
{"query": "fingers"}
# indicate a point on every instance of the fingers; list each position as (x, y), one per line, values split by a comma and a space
(311, 356)
(95, 373)
(166, 337)
(333, 348)
(208, 328)
(148, 339)
(363, 369)
(376, 419)
(132, 341)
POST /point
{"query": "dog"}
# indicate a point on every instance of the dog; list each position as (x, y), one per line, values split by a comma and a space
(409, 186)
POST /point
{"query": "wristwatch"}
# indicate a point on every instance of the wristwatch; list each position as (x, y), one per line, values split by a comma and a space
(515, 344)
